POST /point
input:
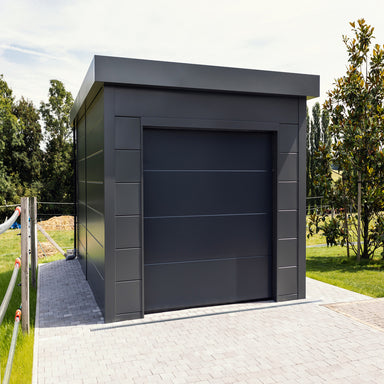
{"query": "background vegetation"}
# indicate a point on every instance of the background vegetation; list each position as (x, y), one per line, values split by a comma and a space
(353, 145)
(36, 147)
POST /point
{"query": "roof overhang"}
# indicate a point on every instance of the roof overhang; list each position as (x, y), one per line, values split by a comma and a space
(148, 73)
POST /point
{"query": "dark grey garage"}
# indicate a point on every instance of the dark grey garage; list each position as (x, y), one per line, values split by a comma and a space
(191, 184)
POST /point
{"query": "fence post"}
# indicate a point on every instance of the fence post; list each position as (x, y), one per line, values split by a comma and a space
(33, 209)
(24, 264)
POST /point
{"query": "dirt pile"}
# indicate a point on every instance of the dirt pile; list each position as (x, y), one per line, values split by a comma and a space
(58, 223)
(45, 248)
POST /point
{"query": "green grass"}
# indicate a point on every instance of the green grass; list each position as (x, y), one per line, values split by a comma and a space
(9, 250)
(332, 266)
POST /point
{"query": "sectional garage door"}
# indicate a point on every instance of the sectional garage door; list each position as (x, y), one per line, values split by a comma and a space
(208, 199)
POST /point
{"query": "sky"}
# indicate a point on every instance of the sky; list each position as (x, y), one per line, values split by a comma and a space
(44, 39)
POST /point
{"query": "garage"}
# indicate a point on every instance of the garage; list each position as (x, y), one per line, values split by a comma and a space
(190, 184)
(207, 217)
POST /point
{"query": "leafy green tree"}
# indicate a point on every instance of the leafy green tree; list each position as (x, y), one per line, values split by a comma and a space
(9, 141)
(58, 157)
(318, 159)
(308, 164)
(356, 113)
(30, 163)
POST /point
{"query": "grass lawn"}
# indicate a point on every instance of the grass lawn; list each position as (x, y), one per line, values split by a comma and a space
(9, 250)
(331, 265)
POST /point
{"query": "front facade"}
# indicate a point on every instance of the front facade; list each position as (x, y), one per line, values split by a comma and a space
(191, 184)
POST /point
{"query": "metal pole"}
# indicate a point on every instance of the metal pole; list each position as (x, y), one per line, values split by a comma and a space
(8, 368)
(8, 294)
(7, 224)
(24, 264)
(33, 208)
(358, 218)
(49, 238)
(74, 127)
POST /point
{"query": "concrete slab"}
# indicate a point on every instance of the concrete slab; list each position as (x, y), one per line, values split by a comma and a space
(263, 342)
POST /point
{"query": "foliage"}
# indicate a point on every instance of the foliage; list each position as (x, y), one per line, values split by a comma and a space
(58, 157)
(33, 164)
(30, 152)
(318, 157)
(331, 228)
(8, 139)
(356, 113)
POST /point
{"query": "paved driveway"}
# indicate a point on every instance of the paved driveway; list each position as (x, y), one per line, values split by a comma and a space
(264, 342)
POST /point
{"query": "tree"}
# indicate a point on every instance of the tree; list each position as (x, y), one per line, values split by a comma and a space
(318, 159)
(58, 157)
(355, 108)
(9, 142)
(30, 162)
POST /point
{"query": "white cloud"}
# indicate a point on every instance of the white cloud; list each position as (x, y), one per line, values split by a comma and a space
(57, 39)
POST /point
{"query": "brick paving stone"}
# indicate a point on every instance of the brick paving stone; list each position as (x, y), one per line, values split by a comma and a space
(370, 312)
(303, 341)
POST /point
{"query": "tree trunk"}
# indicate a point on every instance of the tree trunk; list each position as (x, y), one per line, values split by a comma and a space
(358, 255)
(365, 254)
(346, 228)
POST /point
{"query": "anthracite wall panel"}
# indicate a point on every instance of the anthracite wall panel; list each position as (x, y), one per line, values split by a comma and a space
(128, 263)
(128, 166)
(81, 190)
(91, 196)
(288, 187)
(139, 101)
(288, 139)
(126, 190)
(287, 252)
(287, 199)
(200, 105)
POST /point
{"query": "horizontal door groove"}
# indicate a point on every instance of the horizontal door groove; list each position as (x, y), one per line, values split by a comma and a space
(208, 260)
(211, 170)
(216, 215)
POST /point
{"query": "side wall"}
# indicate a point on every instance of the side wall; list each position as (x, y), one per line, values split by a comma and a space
(90, 162)
(127, 110)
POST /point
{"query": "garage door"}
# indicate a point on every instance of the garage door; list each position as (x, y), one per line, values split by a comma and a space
(207, 217)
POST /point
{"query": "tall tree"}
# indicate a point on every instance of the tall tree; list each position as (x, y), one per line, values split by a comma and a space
(10, 141)
(355, 108)
(318, 162)
(30, 130)
(58, 157)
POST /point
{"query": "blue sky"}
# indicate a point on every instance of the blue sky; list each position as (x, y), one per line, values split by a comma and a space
(42, 40)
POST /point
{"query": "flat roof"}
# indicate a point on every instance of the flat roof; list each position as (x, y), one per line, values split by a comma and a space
(149, 73)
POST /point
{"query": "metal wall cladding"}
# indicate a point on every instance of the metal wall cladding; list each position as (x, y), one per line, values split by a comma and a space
(127, 166)
(91, 196)
(160, 103)
(81, 194)
(127, 237)
(207, 214)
